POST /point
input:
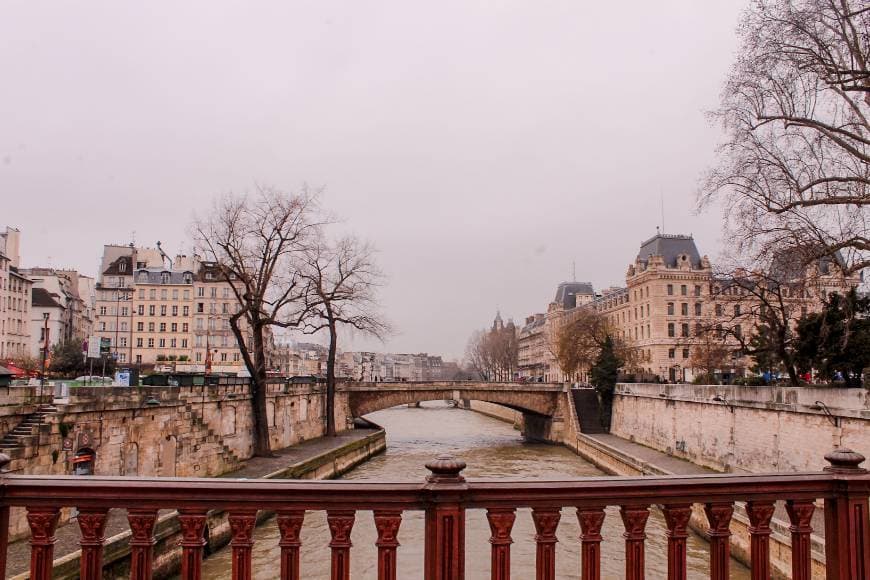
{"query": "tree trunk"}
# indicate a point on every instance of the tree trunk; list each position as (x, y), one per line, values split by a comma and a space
(262, 448)
(330, 381)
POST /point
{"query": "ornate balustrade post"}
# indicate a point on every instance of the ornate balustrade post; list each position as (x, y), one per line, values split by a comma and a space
(501, 522)
(800, 513)
(4, 516)
(92, 523)
(445, 521)
(242, 524)
(760, 513)
(546, 521)
(677, 519)
(192, 543)
(289, 525)
(387, 523)
(141, 543)
(340, 524)
(719, 535)
(43, 523)
(847, 532)
(591, 519)
(634, 519)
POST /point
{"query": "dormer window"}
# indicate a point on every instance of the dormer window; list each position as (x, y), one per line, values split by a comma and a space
(164, 277)
(143, 277)
(209, 276)
(188, 278)
(122, 267)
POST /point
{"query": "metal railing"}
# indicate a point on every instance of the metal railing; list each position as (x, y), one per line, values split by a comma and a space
(445, 496)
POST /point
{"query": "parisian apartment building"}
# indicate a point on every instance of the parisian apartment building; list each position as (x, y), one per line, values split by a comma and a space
(671, 295)
(15, 298)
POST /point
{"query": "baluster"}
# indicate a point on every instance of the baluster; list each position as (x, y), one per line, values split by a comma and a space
(4, 535)
(141, 542)
(192, 543)
(501, 521)
(800, 513)
(546, 521)
(719, 535)
(387, 524)
(760, 513)
(591, 520)
(340, 524)
(445, 522)
(43, 523)
(242, 524)
(634, 519)
(92, 523)
(677, 518)
(290, 525)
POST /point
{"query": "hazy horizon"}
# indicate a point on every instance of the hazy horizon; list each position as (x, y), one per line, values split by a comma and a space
(483, 148)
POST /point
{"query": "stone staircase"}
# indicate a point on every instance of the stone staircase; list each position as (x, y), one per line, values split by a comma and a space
(588, 410)
(25, 435)
(231, 460)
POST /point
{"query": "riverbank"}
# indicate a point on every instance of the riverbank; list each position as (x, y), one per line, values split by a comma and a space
(321, 458)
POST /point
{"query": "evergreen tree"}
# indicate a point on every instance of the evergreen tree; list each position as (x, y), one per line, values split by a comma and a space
(603, 375)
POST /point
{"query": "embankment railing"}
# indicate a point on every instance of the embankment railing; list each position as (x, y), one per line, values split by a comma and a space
(444, 497)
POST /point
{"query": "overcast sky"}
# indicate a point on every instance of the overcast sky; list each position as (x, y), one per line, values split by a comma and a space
(481, 146)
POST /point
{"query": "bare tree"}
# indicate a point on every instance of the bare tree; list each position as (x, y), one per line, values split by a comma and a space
(711, 352)
(494, 353)
(794, 171)
(341, 280)
(253, 239)
(581, 336)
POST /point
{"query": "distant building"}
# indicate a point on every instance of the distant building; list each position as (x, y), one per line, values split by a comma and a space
(15, 298)
(66, 298)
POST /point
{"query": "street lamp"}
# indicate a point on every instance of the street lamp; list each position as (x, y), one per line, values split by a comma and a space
(44, 352)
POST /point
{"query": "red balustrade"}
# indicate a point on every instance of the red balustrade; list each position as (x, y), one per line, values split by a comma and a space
(445, 497)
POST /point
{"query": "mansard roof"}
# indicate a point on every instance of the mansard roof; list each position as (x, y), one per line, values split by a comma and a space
(42, 298)
(566, 293)
(115, 268)
(670, 247)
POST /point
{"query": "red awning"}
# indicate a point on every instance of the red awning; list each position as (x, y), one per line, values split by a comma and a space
(82, 458)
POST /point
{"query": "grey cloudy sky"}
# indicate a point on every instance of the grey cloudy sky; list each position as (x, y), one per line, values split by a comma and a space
(482, 146)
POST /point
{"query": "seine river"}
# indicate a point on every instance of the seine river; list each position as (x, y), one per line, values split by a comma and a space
(491, 448)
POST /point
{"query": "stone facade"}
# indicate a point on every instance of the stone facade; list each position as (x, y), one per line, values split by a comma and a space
(15, 299)
(752, 429)
(66, 297)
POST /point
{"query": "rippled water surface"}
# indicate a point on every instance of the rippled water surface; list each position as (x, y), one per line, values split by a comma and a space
(491, 448)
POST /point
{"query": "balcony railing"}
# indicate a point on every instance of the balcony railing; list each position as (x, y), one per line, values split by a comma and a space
(444, 497)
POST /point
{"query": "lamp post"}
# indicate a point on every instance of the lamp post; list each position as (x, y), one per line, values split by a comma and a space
(44, 352)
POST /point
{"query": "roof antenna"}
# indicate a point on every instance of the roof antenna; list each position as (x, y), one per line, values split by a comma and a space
(574, 270)
(662, 197)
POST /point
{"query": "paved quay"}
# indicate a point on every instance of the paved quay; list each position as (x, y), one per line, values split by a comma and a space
(18, 560)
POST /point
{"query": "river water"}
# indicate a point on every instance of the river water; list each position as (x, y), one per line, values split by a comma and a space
(491, 448)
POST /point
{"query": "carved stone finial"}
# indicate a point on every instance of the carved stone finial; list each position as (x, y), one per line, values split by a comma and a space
(445, 469)
(844, 460)
(4, 461)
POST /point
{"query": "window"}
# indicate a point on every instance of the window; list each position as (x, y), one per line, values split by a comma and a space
(102, 326)
(212, 308)
(140, 326)
(199, 340)
(198, 357)
(684, 309)
(124, 326)
(223, 357)
(150, 327)
(141, 293)
(697, 290)
(187, 294)
(226, 293)
(236, 357)
(175, 293)
(213, 292)
(162, 310)
(671, 308)
(152, 310)
(719, 310)
(122, 357)
(738, 332)
(200, 292)
(736, 310)
(174, 327)
(138, 359)
(685, 353)
(188, 278)
(200, 307)
(224, 341)
(199, 323)
(185, 310)
(102, 310)
(152, 294)
(671, 353)
(183, 343)
(122, 267)
(684, 290)
(670, 289)
(671, 329)
(697, 309)
(684, 330)
(172, 342)
(185, 327)
(150, 343)
(139, 343)
(164, 294)
(162, 343)
(141, 310)
(162, 327)
(175, 311)
(226, 308)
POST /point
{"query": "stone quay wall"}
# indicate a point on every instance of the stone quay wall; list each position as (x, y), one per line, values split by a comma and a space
(750, 429)
(192, 431)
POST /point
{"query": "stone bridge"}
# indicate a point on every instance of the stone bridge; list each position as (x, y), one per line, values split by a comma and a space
(542, 404)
